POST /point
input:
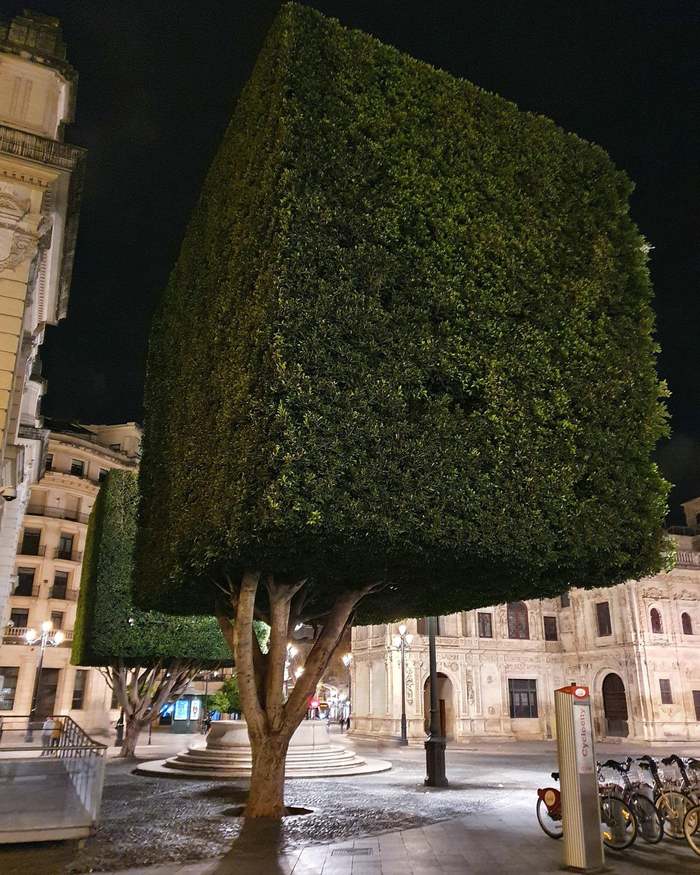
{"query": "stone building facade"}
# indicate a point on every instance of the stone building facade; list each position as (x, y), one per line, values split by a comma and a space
(47, 567)
(40, 188)
(635, 645)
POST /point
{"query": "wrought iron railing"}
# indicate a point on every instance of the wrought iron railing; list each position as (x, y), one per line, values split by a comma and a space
(54, 759)
(31, 549)
(68, 555)
(15, 635)
(58, 513)
(687, 559)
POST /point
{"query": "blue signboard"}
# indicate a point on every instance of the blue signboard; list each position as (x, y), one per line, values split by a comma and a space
(182, 707)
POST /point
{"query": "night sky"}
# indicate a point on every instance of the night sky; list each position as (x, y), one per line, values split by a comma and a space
(158, 82)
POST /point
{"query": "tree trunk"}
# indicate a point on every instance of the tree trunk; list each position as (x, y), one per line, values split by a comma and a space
(266, 795)
(272, 721)
(132, 730)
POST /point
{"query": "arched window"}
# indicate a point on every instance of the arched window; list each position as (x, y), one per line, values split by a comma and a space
(656, 624)
(518, 626)
(686, 623)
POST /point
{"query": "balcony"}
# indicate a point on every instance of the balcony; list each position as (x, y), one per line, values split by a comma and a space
(15, 635)
(31, 549)
(687, 559)
(68, 555)
(61, 592)
(26, 591)
(58, 513)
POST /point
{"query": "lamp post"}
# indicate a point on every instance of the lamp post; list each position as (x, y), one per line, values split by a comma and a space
(435, 745)
(401, 643)
(347, 662)
(44, 640)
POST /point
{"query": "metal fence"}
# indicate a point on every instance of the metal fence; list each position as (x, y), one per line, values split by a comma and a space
(51, 779)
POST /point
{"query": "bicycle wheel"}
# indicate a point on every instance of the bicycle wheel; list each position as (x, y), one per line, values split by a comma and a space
(673, 805)
(549, 825)
(617, 823)
(649, 821)
(691, 828)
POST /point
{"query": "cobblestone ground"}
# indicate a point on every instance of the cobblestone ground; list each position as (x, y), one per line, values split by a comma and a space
(147, 821)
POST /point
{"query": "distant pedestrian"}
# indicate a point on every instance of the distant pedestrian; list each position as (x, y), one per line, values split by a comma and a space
(56, 733)
(46, 733)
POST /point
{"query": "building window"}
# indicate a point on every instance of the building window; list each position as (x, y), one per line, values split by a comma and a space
(655, 619)
(518, 625)
(550, 629)
(485, 625)
(8, 687)
(57, 619)
(523, 698)
(65, 547)
(77, 467)
(19, 617)
(602, 610)
(686, 623)
(48, 464)
(665, 686)
(60, 585)
(696, 702)
(116, 447)
(565, 600)
(31, 542)
(79, 685)
(102, 476)
(25, 581)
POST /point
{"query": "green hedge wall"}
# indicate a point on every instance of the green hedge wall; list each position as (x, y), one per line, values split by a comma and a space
(409, 333)
(105, 606)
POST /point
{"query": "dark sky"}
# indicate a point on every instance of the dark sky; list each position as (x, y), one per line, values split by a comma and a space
(158, 81)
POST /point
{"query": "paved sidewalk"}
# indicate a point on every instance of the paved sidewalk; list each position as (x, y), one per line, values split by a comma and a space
(505, 840)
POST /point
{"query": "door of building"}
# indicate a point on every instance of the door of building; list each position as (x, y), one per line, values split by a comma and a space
(615, 706)
(696, 703)
(46, 696)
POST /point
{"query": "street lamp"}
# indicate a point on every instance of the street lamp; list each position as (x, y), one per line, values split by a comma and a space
(435, 745)
(44, 639)
(402, 642)
(347, 662)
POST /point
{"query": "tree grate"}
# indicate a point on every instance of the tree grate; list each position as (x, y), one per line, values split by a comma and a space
(351, 852)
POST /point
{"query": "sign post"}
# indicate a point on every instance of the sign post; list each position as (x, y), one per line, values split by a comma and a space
(580, 805)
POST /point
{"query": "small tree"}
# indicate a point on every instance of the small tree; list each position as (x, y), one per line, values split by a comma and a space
(146, 657)
(227, 699)
(404, 366)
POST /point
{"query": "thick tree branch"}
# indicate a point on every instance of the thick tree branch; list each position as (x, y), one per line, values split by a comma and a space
(244, 650)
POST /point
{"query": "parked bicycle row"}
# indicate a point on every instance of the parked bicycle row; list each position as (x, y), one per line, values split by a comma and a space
(643, 796)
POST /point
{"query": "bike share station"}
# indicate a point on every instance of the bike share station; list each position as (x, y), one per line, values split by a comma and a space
(579, 799)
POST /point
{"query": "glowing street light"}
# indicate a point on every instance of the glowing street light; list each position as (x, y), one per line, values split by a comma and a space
(44, 640)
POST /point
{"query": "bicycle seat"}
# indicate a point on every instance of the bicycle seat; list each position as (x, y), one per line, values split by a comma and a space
(613, 764)
(555, 775)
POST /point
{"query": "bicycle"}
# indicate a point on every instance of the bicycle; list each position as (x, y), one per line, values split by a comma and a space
(617, 822)
(675, 794)
(691, 821)
(649, 821)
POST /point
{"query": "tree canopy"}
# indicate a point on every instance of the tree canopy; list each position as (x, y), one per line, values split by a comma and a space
(408, 338)
(108, 625)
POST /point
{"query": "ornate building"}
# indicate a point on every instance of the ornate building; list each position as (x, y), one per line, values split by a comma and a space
(40, 187)
(635, 645)
(48, 563)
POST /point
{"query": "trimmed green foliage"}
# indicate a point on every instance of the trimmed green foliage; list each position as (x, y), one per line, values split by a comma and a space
(103, 633)
(409, 336)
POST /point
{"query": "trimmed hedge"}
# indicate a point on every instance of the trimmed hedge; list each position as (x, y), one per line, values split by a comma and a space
(409, 335)
(103, 632)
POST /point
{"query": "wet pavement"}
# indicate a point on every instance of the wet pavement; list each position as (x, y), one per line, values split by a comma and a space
(151, 821)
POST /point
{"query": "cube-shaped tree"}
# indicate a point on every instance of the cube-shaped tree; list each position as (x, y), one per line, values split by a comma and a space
(404, 366)
(147, 657)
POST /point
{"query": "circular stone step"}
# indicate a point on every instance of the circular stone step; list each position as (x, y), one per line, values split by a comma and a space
(226, 754)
